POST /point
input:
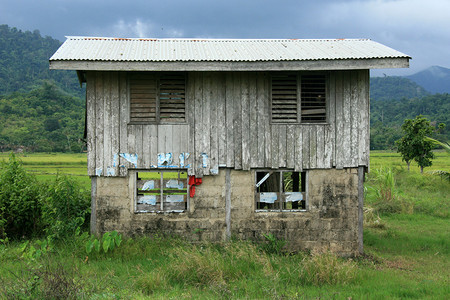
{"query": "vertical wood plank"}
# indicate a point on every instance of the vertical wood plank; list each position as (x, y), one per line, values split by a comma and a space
(245, 119)
(253, 127)
(131, 133)
(339, 130)
(330, 142)
(146, 146)
(229, 115)
(221, 119)
(214, 139)
(107, 159)
(99, 97)
(176, 143)
(306, 146)
(354, 117)
(298, 159)
(139, 145)
(198, 98)
(313, 146)
(153, 131)
(237, 111)
(261, 122)
(282, 143)
(206, 110)
(123, 131)
(267, 125)
(91, 118)
(363, 128)
(190, 119)
(115, 122)
(290, 146)
(346, 143)
(367, 117)
(320, 146)
(275, 146)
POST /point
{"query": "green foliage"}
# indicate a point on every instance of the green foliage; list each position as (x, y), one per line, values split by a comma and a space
(65, 207)
(29, 208)
(413, 144)
(272, 244)
(108, 242)
(386, 117)
(394, 87)
(20, 208)
(24, 62)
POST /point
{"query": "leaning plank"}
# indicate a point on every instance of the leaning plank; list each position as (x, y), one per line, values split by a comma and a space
(320, 146)
(198, 98)
(306, 146)
(190, 104)
(330, 135)
(313, 146)
(275, 146)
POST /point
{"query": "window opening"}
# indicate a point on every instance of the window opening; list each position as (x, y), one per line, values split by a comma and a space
(161, 191)
(280, 190)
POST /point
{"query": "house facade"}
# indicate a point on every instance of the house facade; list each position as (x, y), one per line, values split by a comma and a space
(209, 139)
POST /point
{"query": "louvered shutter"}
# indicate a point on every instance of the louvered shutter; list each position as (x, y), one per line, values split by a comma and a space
(143, 102)
(172, 97)
(284, 98)
(313, 98)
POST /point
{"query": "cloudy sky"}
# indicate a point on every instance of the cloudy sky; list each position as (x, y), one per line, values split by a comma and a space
(419, 28)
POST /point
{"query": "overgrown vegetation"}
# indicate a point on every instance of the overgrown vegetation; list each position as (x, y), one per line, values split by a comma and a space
(29, 208)
(406, 244)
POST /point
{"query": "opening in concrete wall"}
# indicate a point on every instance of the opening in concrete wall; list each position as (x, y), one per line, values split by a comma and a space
(281, 191)
(161, 191)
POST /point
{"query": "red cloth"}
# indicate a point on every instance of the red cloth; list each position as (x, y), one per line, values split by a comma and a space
(192, 183)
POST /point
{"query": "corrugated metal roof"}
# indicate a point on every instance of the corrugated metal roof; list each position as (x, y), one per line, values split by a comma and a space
(233, 50)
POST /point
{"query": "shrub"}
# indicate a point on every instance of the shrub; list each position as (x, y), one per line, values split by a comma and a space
(29, 208)
(65, 207)
(20, 209)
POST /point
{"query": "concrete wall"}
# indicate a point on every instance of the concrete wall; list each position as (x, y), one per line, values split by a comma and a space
(330, 222)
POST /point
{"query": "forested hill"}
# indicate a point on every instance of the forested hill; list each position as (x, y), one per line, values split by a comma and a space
(394, 99)
(40, 109)
(24, 62)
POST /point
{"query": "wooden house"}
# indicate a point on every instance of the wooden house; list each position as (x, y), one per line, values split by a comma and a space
(210, 138)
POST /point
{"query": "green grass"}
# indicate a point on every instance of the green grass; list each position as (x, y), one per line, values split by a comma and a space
(407, 257)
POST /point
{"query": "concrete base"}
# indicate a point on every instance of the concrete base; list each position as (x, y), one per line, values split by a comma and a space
(216, 212)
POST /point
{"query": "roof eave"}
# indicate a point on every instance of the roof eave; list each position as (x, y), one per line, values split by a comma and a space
(311, 65)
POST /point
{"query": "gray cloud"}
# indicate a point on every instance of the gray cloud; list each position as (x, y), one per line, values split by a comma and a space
(416, 27)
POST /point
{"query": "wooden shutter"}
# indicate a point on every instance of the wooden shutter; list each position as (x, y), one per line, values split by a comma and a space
(313, 98)
(172, 97)
(284, 98)
(143, 91)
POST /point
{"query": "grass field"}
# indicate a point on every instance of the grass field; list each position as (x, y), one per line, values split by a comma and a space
(407, 252)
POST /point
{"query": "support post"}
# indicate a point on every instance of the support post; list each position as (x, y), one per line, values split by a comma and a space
(361, 174)
(93, 205)
(228, 202)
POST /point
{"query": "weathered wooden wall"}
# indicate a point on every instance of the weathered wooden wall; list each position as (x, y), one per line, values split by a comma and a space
(228, 125)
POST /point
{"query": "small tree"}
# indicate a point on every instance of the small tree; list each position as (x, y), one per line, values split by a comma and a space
(414, 145)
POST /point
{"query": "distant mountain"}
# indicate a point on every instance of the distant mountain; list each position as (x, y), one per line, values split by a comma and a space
(434, 79)
(395, 87)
